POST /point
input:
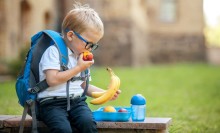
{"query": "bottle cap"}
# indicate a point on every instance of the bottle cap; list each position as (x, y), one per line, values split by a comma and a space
(138, 99)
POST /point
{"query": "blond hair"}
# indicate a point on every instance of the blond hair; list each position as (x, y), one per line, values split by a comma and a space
(81, 18)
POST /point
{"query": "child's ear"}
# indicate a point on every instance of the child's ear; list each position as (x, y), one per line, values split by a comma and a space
(70, 35)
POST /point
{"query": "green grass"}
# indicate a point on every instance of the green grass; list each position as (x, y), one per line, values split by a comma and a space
(188, 93)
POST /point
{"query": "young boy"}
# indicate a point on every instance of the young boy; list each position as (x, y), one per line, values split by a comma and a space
(82, 28)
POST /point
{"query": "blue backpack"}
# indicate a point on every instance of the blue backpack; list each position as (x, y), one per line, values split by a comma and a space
(28, 84)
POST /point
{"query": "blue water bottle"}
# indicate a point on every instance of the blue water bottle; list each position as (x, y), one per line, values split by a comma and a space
(138, 107)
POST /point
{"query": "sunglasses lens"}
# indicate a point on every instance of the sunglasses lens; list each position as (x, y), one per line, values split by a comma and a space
(88, 45)
(92, 46)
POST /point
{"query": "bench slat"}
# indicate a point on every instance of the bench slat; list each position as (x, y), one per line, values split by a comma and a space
(150, 123)
(5, 117)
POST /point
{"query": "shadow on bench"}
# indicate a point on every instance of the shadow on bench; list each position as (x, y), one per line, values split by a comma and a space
(10, 124)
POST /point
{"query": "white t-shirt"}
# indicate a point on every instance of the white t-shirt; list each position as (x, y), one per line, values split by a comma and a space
(50, 60)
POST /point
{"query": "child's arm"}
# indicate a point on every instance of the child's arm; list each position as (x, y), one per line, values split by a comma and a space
(56, 77)
(93, 88)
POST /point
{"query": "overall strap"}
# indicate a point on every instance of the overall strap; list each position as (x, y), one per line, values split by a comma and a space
(21, 125)
(68, 94)
(85, 89)
(28, 106)
(87, 82)
(34, 119)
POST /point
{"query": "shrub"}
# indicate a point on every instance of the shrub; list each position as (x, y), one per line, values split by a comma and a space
(16, 64)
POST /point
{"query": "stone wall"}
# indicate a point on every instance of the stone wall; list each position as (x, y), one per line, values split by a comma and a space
(20, 19)
(180, 38)
(9, 29)
(187, 17)
(115, 47)
(176, 48)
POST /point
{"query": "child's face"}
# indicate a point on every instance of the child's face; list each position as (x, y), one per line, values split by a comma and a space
(80, 42)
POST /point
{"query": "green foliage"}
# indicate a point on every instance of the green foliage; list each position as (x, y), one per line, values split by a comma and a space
(188, 93)
(16, 65)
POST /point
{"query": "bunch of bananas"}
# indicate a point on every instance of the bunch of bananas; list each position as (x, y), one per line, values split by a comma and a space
(103, 97)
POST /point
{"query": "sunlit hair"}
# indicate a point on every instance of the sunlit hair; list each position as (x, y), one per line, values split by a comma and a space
(82, 18)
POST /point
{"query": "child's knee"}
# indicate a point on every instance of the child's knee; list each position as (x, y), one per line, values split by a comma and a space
(87, 125)
(87, 121)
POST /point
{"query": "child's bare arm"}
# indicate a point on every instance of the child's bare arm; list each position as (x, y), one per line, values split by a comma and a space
(56, 77)
(93, 88)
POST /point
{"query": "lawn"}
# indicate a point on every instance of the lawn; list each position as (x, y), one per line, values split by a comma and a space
(188, 93)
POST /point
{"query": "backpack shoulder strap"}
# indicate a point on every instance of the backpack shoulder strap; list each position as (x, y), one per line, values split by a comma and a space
(61, 46)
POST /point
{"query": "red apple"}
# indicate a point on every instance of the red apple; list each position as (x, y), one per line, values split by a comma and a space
(87, 56)
(122, 110)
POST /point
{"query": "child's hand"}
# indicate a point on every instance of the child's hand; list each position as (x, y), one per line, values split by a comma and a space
(84, 64)
(116, 95)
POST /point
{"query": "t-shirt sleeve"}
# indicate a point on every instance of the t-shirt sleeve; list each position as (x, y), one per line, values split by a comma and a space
(50, 59)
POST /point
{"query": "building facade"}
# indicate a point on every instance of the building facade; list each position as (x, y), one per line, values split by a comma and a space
(176, 31)
(137, 32)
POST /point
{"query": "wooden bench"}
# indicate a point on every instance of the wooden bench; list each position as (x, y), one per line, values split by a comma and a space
(10, 124)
